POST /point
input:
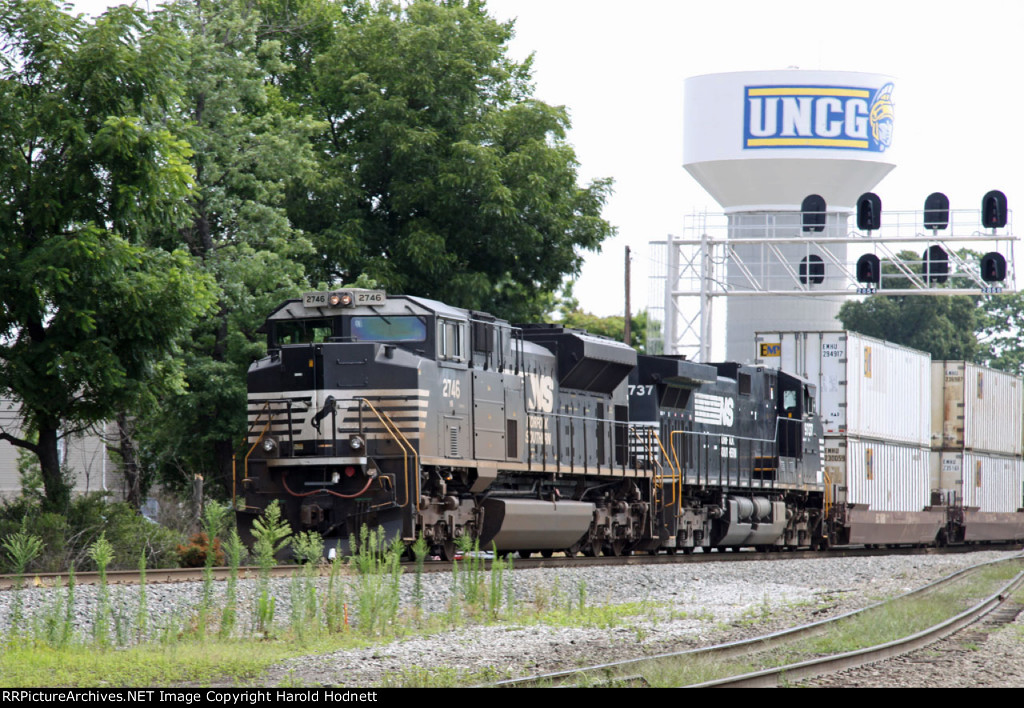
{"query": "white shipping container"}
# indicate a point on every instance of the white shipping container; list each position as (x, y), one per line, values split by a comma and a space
(866, 388)
(885, 476)
(976, 408)
(986, 481)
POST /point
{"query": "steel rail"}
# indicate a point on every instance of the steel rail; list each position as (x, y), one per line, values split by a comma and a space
(185, 575)
(771, 678)
(626, 672)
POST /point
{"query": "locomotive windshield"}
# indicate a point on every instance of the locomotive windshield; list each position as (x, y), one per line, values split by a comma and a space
(303, 331)
(390, 329)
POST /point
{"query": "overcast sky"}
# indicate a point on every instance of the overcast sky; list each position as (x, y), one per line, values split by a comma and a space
(619, 68)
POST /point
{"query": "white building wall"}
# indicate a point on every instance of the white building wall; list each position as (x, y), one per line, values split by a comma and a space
(84, 454)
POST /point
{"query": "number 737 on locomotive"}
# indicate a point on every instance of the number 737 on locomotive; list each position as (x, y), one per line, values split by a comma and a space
(421, 419)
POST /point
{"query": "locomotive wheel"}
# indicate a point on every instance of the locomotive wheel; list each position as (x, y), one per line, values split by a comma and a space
(615, 548)
(447, 549)
(687, 550)
(525, 554)
(547, 553)
(588, 550)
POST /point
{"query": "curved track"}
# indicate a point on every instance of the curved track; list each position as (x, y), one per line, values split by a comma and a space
(631, 672)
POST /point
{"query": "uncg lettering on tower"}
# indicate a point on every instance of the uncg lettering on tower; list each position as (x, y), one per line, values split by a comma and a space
(842, 117)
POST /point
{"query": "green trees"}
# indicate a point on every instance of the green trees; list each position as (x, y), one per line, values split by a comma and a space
(91, 312)
(945, 326)
(984, 330)
(170, 177)
(248, 145)
(571, 314)
(343, 139)
(441, 176)
(1000, 321)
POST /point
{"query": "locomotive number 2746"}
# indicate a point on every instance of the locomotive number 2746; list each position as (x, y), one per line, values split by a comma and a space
(450, 388)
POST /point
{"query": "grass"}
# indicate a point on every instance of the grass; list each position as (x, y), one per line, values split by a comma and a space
(440, 677)
(894, 620)
(605, 616)
(357, 606)
(194, 650)
(39, 665)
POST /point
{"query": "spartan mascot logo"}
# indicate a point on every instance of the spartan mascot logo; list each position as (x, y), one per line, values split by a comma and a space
(881, 117)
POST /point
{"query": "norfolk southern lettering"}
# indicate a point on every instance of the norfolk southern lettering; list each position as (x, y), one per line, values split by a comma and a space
(840, 117)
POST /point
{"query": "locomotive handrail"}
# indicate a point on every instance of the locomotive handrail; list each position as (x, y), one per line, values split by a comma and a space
(245, 461)
(655, 464)
(403, 442)
(645, 441)
(556, 431)
(770, 444)
(678, 465)
(675, 475)
(263, 432)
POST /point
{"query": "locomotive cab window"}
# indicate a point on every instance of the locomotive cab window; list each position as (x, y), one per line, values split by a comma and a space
(451, 340)
(389, 329)
(792, 395)
(789, 403)
(302, 332)
(744, 384)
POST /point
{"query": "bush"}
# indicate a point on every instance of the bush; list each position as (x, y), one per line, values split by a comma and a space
(66, 539)
(193, 554)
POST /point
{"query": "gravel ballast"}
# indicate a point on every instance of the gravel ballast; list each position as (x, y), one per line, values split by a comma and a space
(680, 606)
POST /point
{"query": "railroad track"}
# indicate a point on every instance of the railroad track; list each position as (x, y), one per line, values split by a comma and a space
(981, 655)
(189, 575)
(776, 646)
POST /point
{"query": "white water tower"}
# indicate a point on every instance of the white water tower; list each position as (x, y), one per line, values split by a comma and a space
(760, 142)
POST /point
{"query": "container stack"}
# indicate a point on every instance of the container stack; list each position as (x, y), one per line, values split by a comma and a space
(977, 441)
(874, 399)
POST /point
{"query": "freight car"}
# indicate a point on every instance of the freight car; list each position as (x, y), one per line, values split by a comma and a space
(409, 415)
(421, 419)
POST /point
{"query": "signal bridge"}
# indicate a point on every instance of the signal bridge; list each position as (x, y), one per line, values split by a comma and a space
(811, 254)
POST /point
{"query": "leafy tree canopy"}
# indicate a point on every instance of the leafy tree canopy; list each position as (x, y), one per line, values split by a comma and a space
(1000, 322)
(441, 175)
(569, 313)
(90, 313)
(249, 145)
(945, 326)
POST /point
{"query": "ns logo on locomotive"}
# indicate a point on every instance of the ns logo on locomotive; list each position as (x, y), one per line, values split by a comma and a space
(843, 117)
(422, 419)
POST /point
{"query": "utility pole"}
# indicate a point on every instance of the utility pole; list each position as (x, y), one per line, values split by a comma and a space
(627, 336)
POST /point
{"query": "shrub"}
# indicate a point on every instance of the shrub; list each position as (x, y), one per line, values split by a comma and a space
(67, 538)
(195, 553)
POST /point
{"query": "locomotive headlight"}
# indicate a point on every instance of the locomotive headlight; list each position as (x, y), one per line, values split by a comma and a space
(339, 299)
(355, 442)
(269, 445)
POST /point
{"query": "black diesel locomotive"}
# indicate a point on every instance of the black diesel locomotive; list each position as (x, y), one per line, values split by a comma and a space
(409, 415)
